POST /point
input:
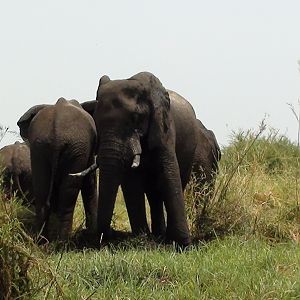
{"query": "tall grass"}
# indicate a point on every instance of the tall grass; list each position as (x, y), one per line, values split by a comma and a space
(24, 269)
(246, 236)
(20, 256)
(255, 191)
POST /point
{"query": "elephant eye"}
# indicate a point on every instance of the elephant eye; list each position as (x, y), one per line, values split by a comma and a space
(139, 132)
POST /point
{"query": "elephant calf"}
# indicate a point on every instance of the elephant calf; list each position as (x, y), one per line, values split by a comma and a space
(16, 171)
(62, 138)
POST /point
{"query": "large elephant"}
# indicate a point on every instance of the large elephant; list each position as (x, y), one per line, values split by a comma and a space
(146, 144)
(15, 168)
(62, 139)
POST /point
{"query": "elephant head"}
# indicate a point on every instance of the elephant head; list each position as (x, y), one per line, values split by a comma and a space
(132, 116)
(131, 111)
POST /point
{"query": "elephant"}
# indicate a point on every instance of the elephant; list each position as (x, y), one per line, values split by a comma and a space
(16, 171)
(62, 139)
(146, 144)
(207, 156)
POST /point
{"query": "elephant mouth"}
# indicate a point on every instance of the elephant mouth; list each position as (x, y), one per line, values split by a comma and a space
(135, 164)
(134, 147)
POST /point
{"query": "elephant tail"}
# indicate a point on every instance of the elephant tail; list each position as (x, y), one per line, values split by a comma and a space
(17, 181)
(54, 167)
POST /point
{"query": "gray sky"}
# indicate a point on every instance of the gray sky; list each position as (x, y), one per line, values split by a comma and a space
(234, 60)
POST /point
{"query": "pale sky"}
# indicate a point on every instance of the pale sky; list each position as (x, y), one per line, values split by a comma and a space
(234, 60)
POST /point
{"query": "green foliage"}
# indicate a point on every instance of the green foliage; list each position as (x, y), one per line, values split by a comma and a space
(273, 152)
(227, 269)
(256, 191)
(246, 233)
(232, 268)
(24, 269)
(15, 259)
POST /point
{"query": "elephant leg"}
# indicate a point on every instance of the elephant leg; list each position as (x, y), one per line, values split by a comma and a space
(185, 175)
(89, 198)
(7, 186)
(158, 224)
(134, 197)
(41, 178)
(68, 193)
(168, 182)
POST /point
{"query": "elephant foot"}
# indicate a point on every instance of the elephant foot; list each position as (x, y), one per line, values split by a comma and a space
(85, 238)
(158, 238)
(181, 242)
(179, 247)
(119, 235)
(110, 236)
(144, 231)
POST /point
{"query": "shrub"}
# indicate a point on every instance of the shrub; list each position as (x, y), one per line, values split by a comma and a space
(256, 190)
(24, 270)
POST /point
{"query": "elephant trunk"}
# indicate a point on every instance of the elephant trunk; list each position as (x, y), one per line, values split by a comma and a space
(111, 166)
(113, 157)
(108, 189)
(134, 148)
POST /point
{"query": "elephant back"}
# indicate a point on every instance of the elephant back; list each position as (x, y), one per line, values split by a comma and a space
(6, 154)
(207, 153)
(21, 158)
(16, 170)
(73, 120)
(184, 118)
(62, 122)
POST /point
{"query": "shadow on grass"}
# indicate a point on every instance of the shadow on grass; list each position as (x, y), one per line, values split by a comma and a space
(82, 239)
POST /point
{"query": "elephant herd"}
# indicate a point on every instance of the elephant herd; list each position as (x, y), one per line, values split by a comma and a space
(140, 135)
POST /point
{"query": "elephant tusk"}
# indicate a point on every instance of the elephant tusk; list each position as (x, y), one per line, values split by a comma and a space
(136, 161)
(90, 169)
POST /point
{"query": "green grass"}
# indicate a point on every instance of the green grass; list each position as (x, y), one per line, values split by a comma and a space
(227, 269)
(246, 241)
(257, 190)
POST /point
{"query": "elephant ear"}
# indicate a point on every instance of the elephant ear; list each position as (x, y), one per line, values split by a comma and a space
(216, 148)
(24, 121)
(103, 80)
(89, 106)
(159, 102)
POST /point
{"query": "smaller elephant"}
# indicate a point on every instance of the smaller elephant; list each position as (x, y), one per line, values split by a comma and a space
(62, 140)
(15, 168)
(206, 157)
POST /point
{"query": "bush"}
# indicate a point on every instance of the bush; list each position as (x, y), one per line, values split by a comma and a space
(24, 270)
(255, 195)
(256, 190)
(15, 255)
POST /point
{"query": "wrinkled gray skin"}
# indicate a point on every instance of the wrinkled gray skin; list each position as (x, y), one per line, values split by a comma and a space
(207, 156)
(15, 168)
(62, 140)
(146, 144)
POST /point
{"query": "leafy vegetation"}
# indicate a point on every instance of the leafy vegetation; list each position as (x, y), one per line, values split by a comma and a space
(256, 192)
(246, 240)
